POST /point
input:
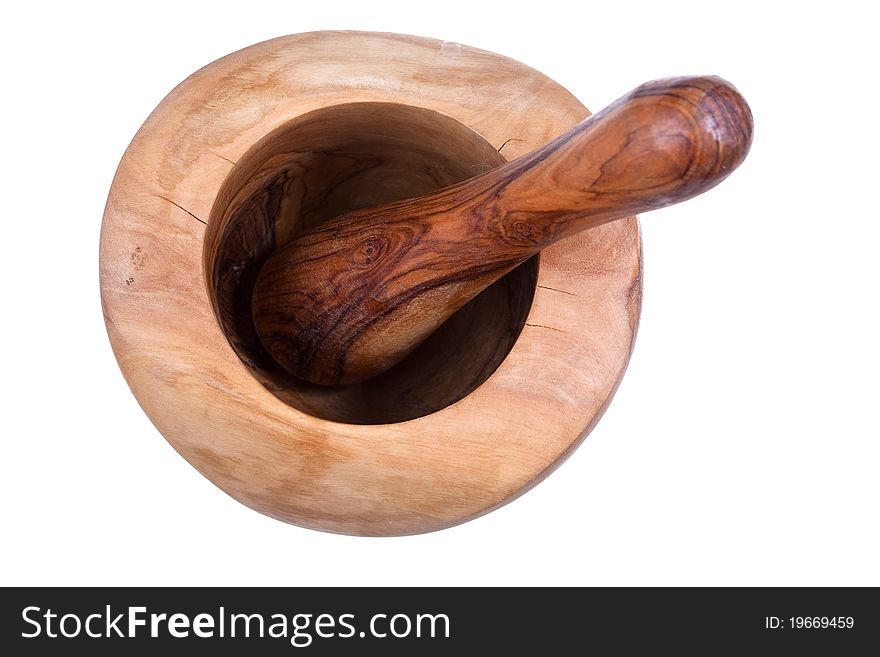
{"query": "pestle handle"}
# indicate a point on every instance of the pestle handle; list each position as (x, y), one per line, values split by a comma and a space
(664, 142)
(347, 300)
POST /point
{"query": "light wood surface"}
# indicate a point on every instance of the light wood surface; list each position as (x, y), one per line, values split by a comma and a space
(190, 217)
(348, 299)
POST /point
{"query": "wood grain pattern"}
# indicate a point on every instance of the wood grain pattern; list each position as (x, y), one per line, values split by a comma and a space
(266, 445)
(347, 300)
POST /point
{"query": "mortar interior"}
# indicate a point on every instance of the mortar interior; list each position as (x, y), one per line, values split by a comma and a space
(316, 167)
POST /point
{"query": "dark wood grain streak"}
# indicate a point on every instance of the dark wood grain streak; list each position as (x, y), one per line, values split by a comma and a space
(347, 300)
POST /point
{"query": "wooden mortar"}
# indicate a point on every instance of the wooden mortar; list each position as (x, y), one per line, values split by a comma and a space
(281, 136)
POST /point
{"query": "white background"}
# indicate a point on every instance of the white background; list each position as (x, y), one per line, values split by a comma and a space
(742, 447)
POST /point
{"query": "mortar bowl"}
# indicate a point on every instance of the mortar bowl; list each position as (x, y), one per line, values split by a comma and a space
(282, 136)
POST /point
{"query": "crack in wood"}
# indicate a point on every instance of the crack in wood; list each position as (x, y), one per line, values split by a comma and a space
(549, 328)
(223, 158)
(177, 205)
(547, 287)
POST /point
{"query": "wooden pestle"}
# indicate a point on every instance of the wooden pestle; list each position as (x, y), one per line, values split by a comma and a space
(346, 300)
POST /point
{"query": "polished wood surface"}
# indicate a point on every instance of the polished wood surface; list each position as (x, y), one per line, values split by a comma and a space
(348, 299)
